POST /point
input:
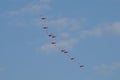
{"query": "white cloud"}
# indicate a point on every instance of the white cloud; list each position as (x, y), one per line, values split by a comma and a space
(114, 28)
(66, 44)
(94, 32)
(66, 24)
(32, 8)
(65, 35)
(47, 48)
(106, 69)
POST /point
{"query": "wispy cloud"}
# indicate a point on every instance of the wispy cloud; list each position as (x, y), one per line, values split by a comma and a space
(96, 32)
(65, 35)
(66, 23)
(32, 8)
(66, 44)
(114, 28)
(106, 69)
(47, 48)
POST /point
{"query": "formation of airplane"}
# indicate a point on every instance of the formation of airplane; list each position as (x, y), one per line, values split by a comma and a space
(43, 20)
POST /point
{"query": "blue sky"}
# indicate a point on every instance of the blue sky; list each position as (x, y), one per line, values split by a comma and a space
(89, 29)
